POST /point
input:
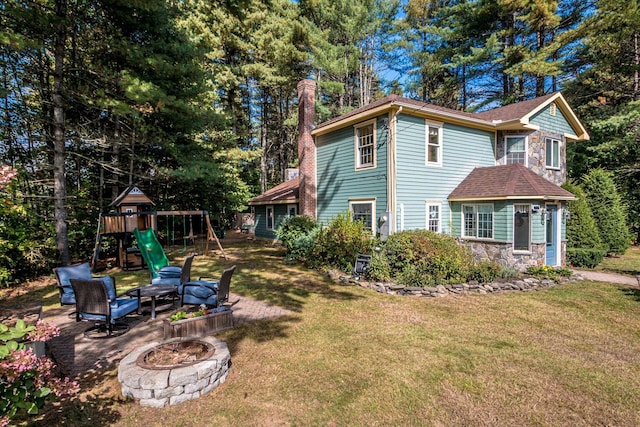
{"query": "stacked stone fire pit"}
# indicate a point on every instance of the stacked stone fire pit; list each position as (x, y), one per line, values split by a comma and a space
(160, 383)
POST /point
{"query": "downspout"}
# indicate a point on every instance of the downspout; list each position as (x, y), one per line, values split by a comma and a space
(391, 167)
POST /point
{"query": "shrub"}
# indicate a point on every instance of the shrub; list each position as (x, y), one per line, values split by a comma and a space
(422, 257)
(379, 267)
(485, 271)
(607, 209)
(548, 272)
(298, 234)
(27, 381)
(584, 257)
(338, 244)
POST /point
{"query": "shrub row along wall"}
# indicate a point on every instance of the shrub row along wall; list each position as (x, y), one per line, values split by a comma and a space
(473, 287)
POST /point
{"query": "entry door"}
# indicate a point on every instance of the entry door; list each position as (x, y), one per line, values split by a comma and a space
(552, 235)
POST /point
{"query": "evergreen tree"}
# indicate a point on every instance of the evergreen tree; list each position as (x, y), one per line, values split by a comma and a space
(582, 231)
(607, 209)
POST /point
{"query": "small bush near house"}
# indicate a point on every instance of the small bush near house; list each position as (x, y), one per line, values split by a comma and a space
(587, 258)
(548, 272)
(422, 257)
(485, 271)
(338, 244)
(298, 234)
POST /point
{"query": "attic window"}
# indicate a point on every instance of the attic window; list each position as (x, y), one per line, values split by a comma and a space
(552, 109)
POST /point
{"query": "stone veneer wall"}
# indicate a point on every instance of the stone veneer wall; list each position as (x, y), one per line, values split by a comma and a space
(536, 153)
(502, 253)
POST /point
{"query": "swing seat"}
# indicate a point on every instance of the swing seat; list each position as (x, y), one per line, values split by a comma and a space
(153, 254)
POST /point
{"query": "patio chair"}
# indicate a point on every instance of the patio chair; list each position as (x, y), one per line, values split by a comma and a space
(154, 256)
(81, 272)
(211, 294)
(185, 275)
(361, 266)
(94, 305)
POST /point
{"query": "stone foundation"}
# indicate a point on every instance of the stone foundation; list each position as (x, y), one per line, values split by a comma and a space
(502, 253)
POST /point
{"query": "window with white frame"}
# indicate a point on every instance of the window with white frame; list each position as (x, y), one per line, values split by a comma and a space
(364, 211)
(434, 143)
(552, 151)
(522, 228)
(433, 217)
(365, 141)
(292, 210)
(477, 221)
(270, 218)
(516, 149)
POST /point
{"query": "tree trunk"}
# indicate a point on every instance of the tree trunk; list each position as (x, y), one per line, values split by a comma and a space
(59, 183)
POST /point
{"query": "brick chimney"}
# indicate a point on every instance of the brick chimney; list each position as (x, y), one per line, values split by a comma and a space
(306, 147)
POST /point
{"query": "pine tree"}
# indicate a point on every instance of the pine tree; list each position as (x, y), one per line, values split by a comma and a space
(607, 209)
(582, 231)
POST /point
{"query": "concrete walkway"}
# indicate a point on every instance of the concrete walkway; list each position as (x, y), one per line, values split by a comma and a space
(76, 355)
(599, 276)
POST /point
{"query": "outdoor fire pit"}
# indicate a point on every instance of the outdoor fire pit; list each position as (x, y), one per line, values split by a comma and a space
(174, 371)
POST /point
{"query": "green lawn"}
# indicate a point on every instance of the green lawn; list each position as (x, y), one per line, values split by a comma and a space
(629, 263)
(348, 356)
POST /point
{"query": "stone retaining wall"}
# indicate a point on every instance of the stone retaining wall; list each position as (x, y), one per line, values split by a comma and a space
(525, 284)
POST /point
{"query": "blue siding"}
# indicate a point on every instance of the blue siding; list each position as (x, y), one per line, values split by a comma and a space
(416, 183)
(557, 124)
(337, 179)
(503, 220)
(279, 212)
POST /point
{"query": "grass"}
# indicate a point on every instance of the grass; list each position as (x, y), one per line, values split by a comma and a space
(629, 263)
(569, 355)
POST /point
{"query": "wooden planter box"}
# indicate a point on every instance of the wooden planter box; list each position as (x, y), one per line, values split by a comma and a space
(198, 326)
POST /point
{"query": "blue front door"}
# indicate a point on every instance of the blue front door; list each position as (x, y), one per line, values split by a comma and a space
(552, 235)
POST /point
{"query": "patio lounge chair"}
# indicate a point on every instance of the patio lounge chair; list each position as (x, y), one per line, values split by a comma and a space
(211, 294)
(94, 305)
(154, 256)
(81, 272)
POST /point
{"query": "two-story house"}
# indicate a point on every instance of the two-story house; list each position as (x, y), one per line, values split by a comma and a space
(491, 179)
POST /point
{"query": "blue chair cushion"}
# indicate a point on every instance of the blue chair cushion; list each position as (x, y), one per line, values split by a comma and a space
(81, 272)
(175, 281)
(119, 308)
(203, 289)
(109, 286)
(170, 272)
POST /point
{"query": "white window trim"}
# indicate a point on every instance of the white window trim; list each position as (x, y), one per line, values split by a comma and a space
(428, 204)
(493, 220)
(429, 124)
(374, 219)
(295, 208)
(356, 140)
(273, 214)
(526, 147)
(513, 245)
(546, 160)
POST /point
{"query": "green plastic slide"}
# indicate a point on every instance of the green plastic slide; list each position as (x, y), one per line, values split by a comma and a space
(154, 255)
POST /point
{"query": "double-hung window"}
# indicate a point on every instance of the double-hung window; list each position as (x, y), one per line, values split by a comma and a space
(363, 211)
(365, 145)
(292, 210)
(478, 221)
(522, 228)
(516, 149)
(434, 143)
(552, 151)
(433, 217)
